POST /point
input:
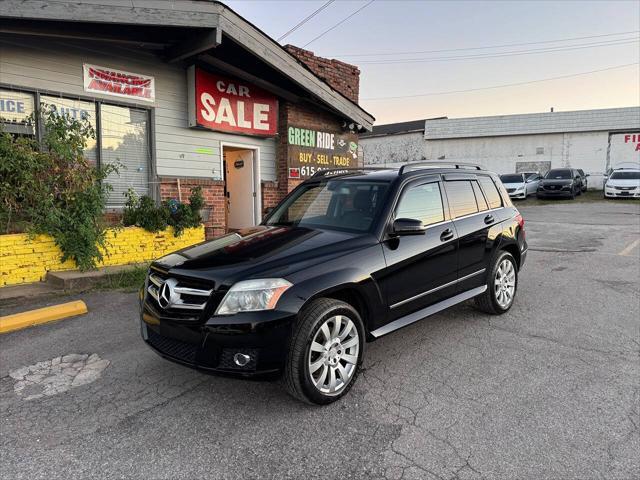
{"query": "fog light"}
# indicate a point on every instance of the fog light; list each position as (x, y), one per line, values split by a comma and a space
(241, 359)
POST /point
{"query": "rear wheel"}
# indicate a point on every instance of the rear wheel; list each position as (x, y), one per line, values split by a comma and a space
(325, 352)
(502, 284)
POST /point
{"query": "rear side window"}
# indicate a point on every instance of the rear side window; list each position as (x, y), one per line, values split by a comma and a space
(490, 190)
(480, 200)
(462, 200)
(422, 202)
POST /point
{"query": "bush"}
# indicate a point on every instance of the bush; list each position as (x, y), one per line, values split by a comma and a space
(143, 212)
(54, 190)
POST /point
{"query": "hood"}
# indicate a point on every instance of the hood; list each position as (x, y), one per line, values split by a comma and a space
(260, 252)
(514, 185)
(623, 182)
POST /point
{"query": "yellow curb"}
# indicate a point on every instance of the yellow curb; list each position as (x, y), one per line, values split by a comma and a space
(18, 321)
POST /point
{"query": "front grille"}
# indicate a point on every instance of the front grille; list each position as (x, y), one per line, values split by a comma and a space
(184, 299)
(174, 348)
(511, 190)
(625, 188)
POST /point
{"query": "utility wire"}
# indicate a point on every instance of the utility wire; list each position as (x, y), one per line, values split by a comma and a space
(610, 43)
(339, 23)
(420, 52)
(503, 85)
(305, 20)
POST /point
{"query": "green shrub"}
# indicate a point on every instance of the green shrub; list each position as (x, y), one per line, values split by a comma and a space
(54, 190)
(143, 212)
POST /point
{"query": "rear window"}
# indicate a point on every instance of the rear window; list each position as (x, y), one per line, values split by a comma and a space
(563, 174)
(462, 200)
(511, 178)
(480, 200)
(490, 191)
(625, 175)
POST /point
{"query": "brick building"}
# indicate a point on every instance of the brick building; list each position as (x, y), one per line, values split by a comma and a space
(182, 94)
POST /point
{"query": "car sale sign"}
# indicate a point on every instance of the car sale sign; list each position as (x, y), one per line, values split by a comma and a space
(230, 105)
(118, 83)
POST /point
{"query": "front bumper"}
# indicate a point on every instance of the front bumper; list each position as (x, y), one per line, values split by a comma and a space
(615, 193)
(518, 195)
(554, 193)
(212, 345)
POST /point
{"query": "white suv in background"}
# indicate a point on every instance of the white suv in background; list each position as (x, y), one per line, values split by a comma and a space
(623, 183)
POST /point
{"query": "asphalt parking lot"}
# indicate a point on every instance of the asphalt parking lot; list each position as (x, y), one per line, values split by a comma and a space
(550, 390)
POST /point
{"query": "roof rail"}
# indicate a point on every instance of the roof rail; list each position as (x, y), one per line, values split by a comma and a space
(344, 171)
(460, 165)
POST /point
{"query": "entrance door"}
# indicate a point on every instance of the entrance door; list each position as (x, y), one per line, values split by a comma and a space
(240, 187)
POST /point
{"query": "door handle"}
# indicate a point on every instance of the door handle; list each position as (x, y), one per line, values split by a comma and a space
(489, 219)
(446, 235)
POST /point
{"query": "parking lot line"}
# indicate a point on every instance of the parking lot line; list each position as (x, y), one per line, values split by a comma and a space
(627, 250)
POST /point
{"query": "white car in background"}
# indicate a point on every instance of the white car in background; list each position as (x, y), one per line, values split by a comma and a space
(520, 185)
(623, 183)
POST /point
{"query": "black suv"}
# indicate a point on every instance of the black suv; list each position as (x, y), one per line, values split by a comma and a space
(561, 183)
(345, 258)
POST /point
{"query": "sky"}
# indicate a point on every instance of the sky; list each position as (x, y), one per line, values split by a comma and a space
(385, 29)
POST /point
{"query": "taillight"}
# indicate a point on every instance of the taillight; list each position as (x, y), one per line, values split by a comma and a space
(520, 220)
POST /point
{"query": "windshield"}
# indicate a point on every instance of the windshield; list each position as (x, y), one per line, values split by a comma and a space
(625, 175)
(559, 175)
(339, 204)
(511, 178)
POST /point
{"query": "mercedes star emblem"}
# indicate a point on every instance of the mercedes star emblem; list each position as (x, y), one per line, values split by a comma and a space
(166, 293)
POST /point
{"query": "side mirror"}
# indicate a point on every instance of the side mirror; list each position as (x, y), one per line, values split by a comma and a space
(268, 210)
(408, 226)
(587, 174)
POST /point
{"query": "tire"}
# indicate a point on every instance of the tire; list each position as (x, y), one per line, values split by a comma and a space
(489, 301)
(334, 361)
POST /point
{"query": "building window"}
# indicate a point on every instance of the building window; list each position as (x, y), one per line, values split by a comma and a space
(78, 110)
(122, 135)
(124, 140)
(539, 150)
(16, 109)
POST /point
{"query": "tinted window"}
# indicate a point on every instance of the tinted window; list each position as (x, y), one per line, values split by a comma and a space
(491, 192)
(422, 202)
(334, 204)
(625, 176)
(511, 178)
(462, 200)
(480, 200)
(560, 174)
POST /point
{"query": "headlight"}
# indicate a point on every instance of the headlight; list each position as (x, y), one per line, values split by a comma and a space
(519, 188)
(253, 295)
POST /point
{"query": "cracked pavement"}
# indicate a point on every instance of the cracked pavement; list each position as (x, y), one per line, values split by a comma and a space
(550, 390)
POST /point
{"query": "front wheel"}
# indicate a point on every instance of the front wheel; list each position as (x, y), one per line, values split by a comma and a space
(325, 352)
(502, 283)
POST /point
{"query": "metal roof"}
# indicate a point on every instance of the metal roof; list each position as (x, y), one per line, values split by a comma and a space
(210, 21)
(608, 119)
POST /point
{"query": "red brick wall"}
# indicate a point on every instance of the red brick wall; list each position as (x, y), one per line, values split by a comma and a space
(213, 193)
(343, 77)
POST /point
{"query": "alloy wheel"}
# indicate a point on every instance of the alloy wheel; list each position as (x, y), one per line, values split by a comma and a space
(333, 355)
(505, 283)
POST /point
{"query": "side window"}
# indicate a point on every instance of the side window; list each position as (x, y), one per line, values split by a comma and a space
(490, 190)
(480, 200)
(422, 202)
(462, 200)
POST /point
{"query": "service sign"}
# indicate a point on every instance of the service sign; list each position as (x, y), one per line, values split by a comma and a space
(230, 105)
(310, 151)
(118, 83)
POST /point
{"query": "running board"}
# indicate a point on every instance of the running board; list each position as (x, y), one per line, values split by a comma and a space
(428, 311)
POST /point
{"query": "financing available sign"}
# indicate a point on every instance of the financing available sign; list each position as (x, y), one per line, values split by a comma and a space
(118, 83)
(310, 151)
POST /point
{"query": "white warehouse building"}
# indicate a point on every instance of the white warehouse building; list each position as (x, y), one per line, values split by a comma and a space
(593, 140)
